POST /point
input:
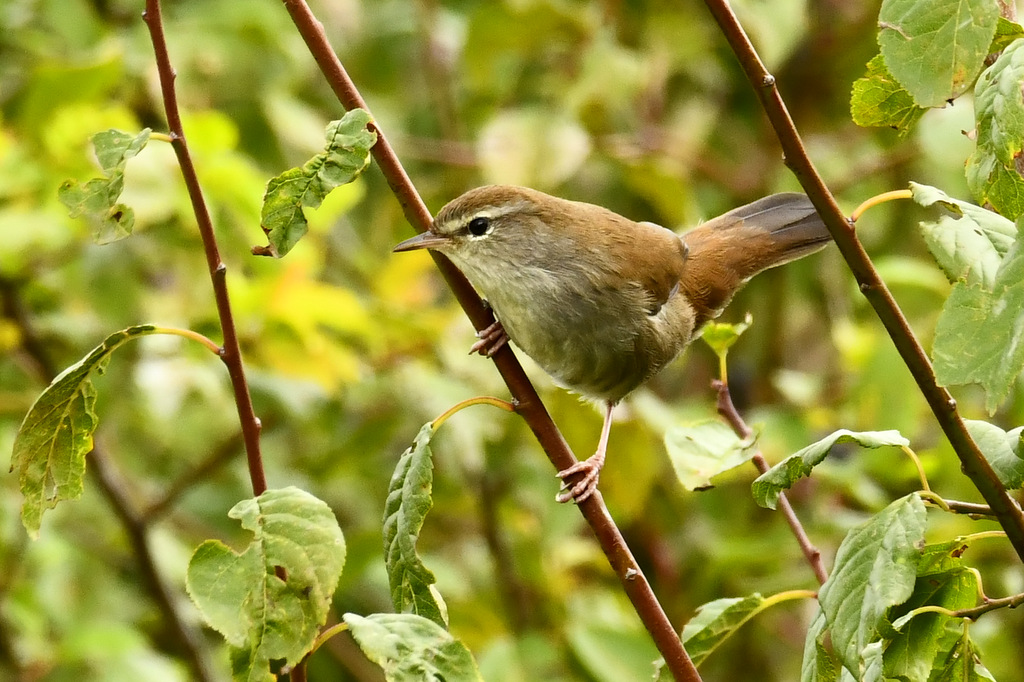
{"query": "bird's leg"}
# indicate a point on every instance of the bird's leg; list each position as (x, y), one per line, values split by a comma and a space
(492, 338)
(590, 467)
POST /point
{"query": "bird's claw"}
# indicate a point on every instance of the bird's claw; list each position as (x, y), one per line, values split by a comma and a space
(491, 339)
(586, 485)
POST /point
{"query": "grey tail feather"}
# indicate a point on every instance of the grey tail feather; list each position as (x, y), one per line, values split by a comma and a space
(771, 231)
(792, 221)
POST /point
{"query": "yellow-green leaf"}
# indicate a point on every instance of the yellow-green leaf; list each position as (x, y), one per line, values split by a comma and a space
(97, 198)
(241, 595)
(705, 449)
(782, 476)
(994, 170)
(936, 49)
(410, 648)
(409, 500)
(977, 337)
(879, 101)
(56, 434)
(344, 157)
(722, 335)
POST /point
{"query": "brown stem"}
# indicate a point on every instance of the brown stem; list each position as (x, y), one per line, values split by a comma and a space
(739, 426)
(974, 613)
(530, 406)
(519, 603)
(972, 509)
(222, 454)
(231, 354)
(114, 489)
(1008, 9)
(973, 462)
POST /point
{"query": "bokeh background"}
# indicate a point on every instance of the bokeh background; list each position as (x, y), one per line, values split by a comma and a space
(637, 105)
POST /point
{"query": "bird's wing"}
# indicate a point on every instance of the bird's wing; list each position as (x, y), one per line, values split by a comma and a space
(652, 256)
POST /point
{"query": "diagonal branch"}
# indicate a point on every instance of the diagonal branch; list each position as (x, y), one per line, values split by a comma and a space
(221, 455)
(942, 404)
(187, 636)
(529, 405)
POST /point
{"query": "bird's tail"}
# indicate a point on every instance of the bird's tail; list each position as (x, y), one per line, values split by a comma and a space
(727, 251)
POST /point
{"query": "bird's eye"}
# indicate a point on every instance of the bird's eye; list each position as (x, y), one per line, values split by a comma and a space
(478, 226)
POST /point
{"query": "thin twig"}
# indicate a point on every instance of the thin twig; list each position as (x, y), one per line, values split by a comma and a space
(530, 407)
(231, 353)
(187, 636)
(515, 595)
(970, 508)
(975, 612)
(728, 410)
(220, 455)
(942, 404)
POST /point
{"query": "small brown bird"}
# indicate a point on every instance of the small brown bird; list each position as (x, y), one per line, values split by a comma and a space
(600, 302)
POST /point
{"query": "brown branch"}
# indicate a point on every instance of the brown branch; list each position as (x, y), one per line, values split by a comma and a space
(220, 456)
(974, 613)
(516, 597)
(530, 406)
(969, 508)
(739, 426)
(942, 404)
(115, 490)
(231, 354)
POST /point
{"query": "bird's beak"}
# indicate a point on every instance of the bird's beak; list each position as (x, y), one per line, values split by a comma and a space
(424, 240)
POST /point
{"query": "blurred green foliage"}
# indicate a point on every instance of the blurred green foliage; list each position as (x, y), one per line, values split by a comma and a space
(636, 105)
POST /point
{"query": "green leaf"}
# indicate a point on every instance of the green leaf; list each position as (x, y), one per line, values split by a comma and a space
(1006, 32)
(818, 665)
(994, 169)
(51, 445)
(967, 241)
(782, 476)
(1003, 450)
(241, 596)
(718, 620)
(875, 569)
(345, 156)
(871, 663)
(705, 449)
(410, 648)
(97, 199)
(936, 49)
(409, 500)
(610, 652)
(722, 335)
(910, 654)
(879, 101)
(960, 662)
(941, 557)
(977, 337)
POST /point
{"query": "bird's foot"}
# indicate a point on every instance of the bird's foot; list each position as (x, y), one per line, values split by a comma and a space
(586, 486)
(492, 338)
